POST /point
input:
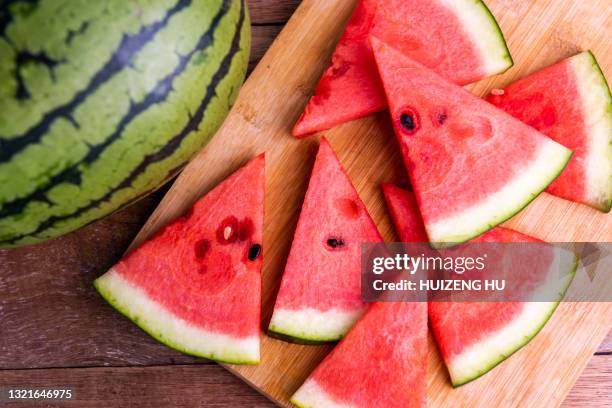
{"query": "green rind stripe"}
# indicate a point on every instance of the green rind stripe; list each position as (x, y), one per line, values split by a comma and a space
(605, 205)
(278, 333)
(158, 94)
(504, 356)
(99, 115)
(6, 8)
(141, 322)
(229, 67)
(502, 39)
(130, 46)
(455, 240)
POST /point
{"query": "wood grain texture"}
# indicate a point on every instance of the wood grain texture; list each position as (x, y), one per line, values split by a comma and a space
(594, 387)
(50, 314)
(539, 32)
(606, 345)
(177, 386)
(192, 386)
(271, 12)
(267, 19)
(262, 37)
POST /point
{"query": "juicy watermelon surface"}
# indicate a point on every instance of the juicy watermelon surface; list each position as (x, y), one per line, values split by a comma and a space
(460, 40)
(320, 297)
(571, 103)
(472, 166)
(473, 337)
(196, 285)
(382, 362)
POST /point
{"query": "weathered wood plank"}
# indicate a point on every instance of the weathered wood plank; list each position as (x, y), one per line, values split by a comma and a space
(138, 387)
(594, 387)
(271, 12)
(51, 316)
(210, 385)
(262, 37)
(606, 345)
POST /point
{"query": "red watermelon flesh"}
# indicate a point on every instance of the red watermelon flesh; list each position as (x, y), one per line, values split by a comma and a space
(460, 40)
(471, 165)
(571, 103)
(382, 362)
(473, 337)
(196, 285)
(320, 293)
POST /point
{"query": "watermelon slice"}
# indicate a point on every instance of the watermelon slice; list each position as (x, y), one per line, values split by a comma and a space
(472, 166)
(196, 286)
(320, 293)
(475, 337)
(382, 362)
(459, 39)
(570, 102)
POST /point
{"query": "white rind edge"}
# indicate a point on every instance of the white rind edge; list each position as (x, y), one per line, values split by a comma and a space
(499, 206)
(310, 395)
(170, 329)
(479, 357)
(313, 324)
(597, 110)
(484, 32)
(484, 355)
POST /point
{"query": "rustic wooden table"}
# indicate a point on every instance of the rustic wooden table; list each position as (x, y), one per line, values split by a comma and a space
(55, 331)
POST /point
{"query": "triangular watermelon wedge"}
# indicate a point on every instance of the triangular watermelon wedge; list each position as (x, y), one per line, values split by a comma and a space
(472, 166)
(459, 39)
(382, 362)
(571, 103)
(320, 293)
(196, 285)
(474, 337)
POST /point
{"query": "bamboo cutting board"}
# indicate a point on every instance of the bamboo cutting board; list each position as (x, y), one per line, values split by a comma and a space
(539, 32)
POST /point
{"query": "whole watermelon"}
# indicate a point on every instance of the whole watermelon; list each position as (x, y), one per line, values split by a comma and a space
(102, 101)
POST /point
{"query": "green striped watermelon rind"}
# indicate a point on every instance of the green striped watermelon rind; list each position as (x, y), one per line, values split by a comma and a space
(277, 333)
(448, 241)
(527, 337)
(603, 84)
(595, 103)
(491, 32)
(110, 287)
(284, 328)
(311, 395)
(99, 170)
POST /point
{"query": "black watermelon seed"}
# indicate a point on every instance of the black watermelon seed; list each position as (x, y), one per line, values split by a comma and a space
(407, 121)
(335, 242)
(254, 252)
